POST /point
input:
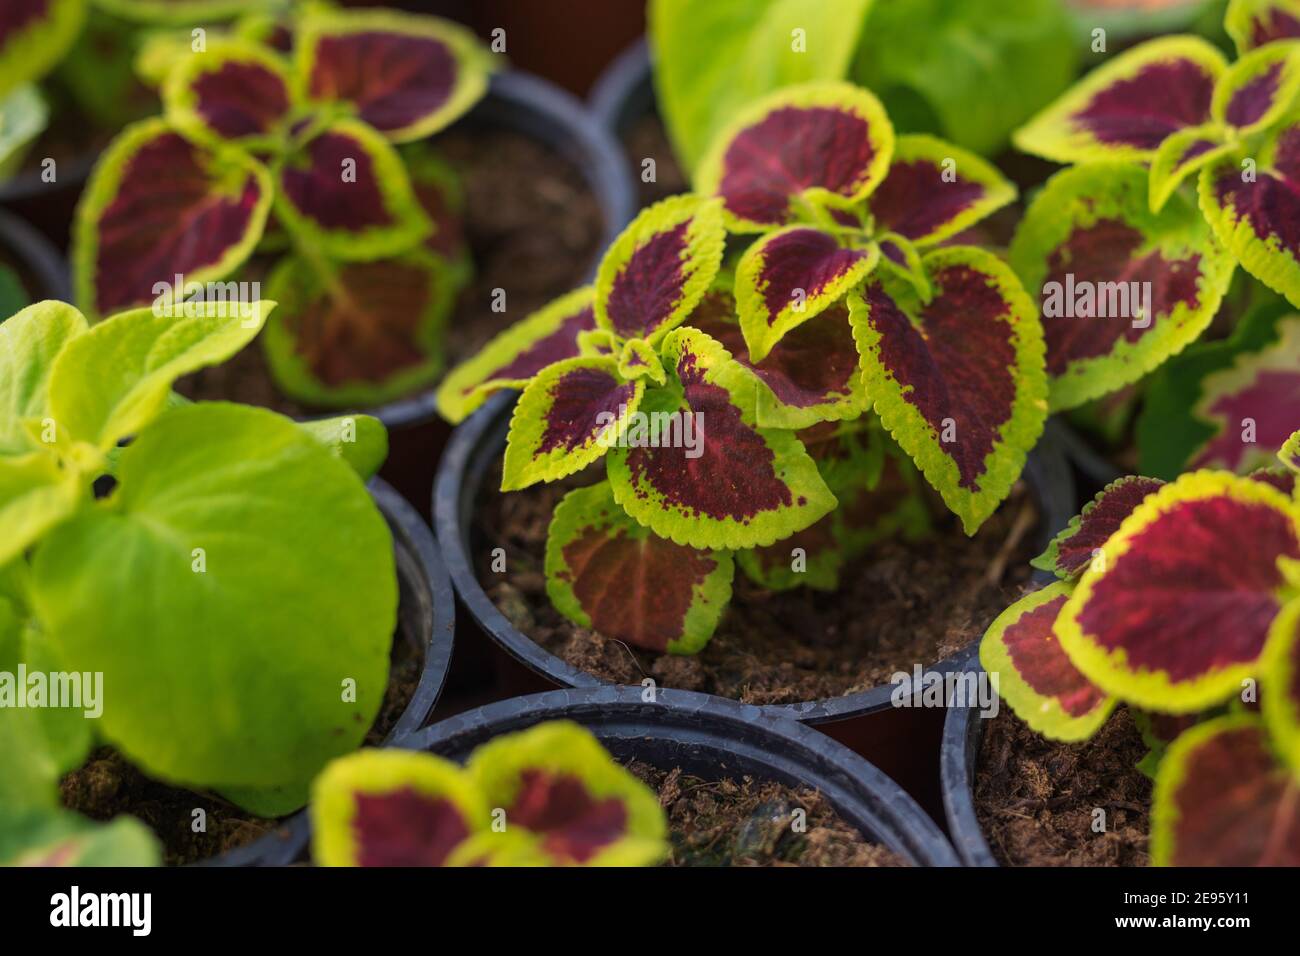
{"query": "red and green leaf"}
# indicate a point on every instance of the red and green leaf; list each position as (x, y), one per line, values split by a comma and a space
(1222, 798)
(792, 275)
(346, 192)
(1258, 88)
(958, 380)
(1289, 453)
(1253, 406)
(659, 268)
(1074, 547)
(359, 333)
(34, 35)
(511, 359)
(1281, 676)
(1091, 247)
(1175, 613)
(393, 808)
(814, 145)
(811, 375)
(1180, 155)
(564, 791)
(1253, 23)
(158, 206)
(1252, 199)
(638, 359)
(1125, 109)
(934, 190)
(406, 76)
(727, 483)
(1022, 653)
(608, 573)
(235, 92)
(567, 417)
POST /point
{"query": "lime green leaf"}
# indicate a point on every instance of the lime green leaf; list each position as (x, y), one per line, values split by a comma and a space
(238, 593)
(29, 343)
(52, 837)
(112, 381)
(360, 440)
(978, 67)
(608, 573)
(23, 116)
(35, 495)
(1280, 669)
(713, 59)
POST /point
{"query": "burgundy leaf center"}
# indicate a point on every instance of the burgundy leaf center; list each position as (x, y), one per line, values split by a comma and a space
(580, 400)
(394, 79)
(649, 286)
(575, 825)
(790, 150)
(1142, 110)
(406, 828)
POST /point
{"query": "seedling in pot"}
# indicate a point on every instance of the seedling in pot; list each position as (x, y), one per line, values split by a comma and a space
(219, 572)
(547, 796)
(705, 392)
(1175, 599)
(259, 148)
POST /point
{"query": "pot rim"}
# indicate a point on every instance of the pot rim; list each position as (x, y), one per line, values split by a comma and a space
(704, 724)
(413, 538)
(963, 731)
(478, 441)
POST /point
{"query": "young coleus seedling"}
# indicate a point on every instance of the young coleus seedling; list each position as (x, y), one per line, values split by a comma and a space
(241, 646)
(547, 796)
(1174, 598)
(304, 141)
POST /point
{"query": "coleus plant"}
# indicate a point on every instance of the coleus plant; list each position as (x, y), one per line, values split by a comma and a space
(222, 568)
(1174, 599)
(1175, 106)
(705, 391)
(547, 796)
(303, 141)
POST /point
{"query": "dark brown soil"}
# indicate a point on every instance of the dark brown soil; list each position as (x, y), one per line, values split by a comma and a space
(533, 228)
(108, 785)
(904, 603)
(1035, 797)
(649, 140)
(746, 822)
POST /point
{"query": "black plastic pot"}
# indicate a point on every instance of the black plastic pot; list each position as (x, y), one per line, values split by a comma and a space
(625, 92)
(40, 265)
(711, 738)
(50, 206)
(866, 721)
(426, 617)
(533, 107)
(963, 730)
